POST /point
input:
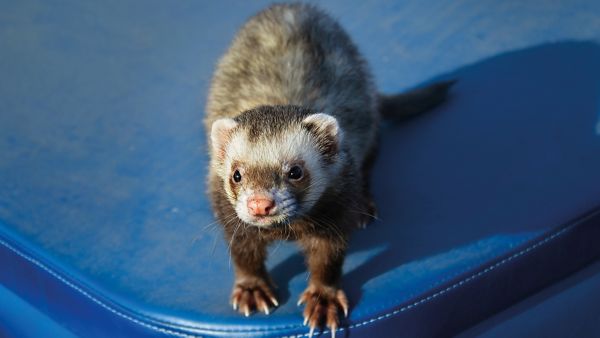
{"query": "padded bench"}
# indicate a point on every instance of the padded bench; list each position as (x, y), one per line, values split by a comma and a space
(105, 228)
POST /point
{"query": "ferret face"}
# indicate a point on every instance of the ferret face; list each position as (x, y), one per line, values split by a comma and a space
(272, 173)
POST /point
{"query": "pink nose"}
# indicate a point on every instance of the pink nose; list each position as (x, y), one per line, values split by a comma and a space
(259, 205)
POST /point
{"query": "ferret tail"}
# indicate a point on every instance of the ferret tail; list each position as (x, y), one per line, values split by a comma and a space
(406, 105)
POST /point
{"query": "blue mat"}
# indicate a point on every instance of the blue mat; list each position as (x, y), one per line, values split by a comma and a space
(105, 228)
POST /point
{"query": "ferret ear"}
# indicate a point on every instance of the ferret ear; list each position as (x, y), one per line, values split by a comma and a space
(220, 133)
(327, 131)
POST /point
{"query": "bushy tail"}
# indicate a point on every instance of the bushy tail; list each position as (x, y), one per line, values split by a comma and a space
(406, 105)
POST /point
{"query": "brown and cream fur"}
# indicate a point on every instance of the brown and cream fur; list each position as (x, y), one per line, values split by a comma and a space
(293, 91)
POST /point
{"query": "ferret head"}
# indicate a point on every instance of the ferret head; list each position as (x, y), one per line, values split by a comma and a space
(275, 162)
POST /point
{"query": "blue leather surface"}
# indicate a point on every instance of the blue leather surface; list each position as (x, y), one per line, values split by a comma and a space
(17, 316)
(570, 308)
(102, 159)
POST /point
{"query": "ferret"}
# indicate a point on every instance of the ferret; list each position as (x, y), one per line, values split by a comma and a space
(293, 117)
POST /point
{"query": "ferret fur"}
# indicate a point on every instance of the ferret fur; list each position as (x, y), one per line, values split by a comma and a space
(293, 87)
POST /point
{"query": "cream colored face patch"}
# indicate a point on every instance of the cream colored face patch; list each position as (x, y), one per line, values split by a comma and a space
(278, 152)
(272, 151)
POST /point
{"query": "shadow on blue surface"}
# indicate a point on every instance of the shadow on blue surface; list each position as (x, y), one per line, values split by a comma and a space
(17, 319)
(569, 308)
(518, 134)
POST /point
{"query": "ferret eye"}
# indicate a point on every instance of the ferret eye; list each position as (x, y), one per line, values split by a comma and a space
(295, 173)
(237, 177)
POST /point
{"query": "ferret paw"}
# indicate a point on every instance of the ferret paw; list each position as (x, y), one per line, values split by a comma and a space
(250, 296)
(322, 307)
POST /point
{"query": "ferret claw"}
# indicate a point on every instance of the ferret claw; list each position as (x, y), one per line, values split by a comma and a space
(248, 298)
(305, 321)
(274, 301)
(324, 307)
(343, 302)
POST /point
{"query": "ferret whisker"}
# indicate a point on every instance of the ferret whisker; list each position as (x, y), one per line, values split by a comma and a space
(216, 222)
(239, 223)
(312, 184)
(326, 224)
(210, 227)
(292, 229)
(347, 205)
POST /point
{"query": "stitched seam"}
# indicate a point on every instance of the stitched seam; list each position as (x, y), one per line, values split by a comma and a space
(94, 299)
(457, 273)
(366, 322)
(449, 288)
(130, 318)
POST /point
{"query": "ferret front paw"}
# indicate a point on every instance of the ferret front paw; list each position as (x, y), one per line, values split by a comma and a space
(253, 295)
(322, 306)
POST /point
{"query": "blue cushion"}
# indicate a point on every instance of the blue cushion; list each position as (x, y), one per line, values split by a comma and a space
(567, 308)
(105, 229)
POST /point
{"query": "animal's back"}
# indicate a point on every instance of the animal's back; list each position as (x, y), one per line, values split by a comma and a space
(296, 54)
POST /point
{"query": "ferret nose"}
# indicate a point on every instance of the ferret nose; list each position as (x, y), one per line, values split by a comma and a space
(259, 205)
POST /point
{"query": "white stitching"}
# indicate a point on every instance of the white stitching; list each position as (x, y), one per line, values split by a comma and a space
(366, 322)
(95, 300)
(451, 287)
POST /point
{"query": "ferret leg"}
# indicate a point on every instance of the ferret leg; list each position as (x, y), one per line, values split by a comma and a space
(252, 289)
(323, 297)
